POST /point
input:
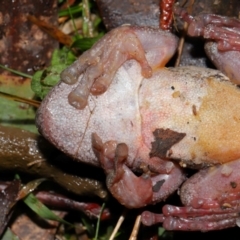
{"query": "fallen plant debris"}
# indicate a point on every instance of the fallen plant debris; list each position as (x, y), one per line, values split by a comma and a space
(8, 198)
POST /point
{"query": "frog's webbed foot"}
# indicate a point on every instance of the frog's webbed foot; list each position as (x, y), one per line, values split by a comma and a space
(211, 198)
(190, 219)
(223, 33)
(96, 68)
(100, 63)
(221, 29)
(130, 190)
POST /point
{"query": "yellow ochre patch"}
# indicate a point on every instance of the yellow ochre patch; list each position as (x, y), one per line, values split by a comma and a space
(218, 130)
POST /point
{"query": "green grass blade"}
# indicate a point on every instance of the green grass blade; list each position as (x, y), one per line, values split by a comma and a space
(41, 210)
(98, 222)
(16, 72)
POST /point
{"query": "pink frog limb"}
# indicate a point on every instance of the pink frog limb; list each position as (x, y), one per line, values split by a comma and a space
(100, 64)
(160, 179)
(211, 200)
(223, 35)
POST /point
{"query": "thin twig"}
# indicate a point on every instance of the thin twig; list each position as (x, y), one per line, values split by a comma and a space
(118, 225)
(16, 72)
(20, 99)
(136, 228)
(180, 45)
(182, 39)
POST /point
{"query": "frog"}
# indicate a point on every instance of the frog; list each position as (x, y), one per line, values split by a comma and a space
(119, 108)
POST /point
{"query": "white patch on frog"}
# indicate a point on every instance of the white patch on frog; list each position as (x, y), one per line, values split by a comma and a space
(226, 170)
(113, 115)
(170, 102)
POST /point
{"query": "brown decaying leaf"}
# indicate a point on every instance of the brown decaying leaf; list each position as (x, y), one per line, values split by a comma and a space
(67, 4)
(8, 198)
(31, 227)
(52, 30)
(23, 46)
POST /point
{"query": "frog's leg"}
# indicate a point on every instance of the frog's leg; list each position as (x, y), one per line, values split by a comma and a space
(130, 190)
(221, 29)
(223, 35)
(151, 48)
(211, 201)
